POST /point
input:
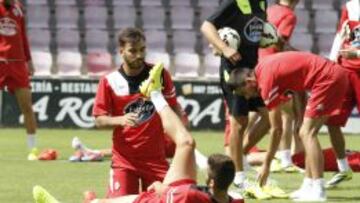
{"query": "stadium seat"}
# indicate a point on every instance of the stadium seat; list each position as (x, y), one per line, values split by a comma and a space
(65, 2)
(96, 40)
(208, 3)
(94, 2)
(153, 17)
(179, 2)
(184, 41)
(69, 63)
(205, 45)
(151, 2)
(326, 21)
(68, 39)
(39, 39)
(42, 62)
(186, 65)
(67, 16)
(96, 17)
(124, 16)
(302, 41)
(156, 40)
(98, 63)
(211, 65)
(182, 17)
(155, 57)
(36, 2)
(117, 60)
(38, 16)
(324, 43)
(323, 5)
(303, 20)
(123, 2)
(205, 12)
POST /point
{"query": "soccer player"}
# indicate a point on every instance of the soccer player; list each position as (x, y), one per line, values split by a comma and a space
(16, 66)
(179, 185)
(345, 52)
(247, 18)
(138, 136)
(275, 78)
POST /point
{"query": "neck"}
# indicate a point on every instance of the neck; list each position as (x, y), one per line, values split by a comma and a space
(131, 72)
(220, 196)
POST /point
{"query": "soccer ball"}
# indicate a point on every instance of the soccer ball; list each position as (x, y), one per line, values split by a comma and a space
(230, 36)
(269, 35)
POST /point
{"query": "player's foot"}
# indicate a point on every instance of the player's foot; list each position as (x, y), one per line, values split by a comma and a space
(77, 144)
(338, 178)
(42, 196)
(315, 195)
(235, 194)
(77, 156)
(92, 156)
(33, 154)
(305, 188)
(154, 80)
(257, 192)
(274, 190)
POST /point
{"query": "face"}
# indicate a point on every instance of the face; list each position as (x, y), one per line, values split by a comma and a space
(134, 54)
(248, 91)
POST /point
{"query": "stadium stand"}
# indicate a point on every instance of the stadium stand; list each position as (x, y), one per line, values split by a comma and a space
(172, 28)
(69, 64)
(187, 65)
(154, 57)
(98, 63)
(43, 62)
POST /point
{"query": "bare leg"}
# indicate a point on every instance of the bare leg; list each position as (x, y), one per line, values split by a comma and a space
(23, 97)
(237, 129)
(337, 141)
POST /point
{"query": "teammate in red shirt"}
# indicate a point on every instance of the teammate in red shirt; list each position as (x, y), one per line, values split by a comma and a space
(138, 136)
(275, 79)
(179, 185)
(16, 66)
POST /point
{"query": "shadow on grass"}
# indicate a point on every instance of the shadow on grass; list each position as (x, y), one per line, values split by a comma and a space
(343, 199)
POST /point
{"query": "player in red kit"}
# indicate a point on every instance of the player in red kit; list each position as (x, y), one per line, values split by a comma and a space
(138, 136)
(277, 77)
(179, 185)
(16, 66)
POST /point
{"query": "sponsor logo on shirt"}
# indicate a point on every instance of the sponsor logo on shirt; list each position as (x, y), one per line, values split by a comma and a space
(7, 27)
(253, 29)
(144, 108)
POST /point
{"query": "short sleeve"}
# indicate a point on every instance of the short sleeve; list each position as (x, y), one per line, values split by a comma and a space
(287, 26)
(222, 14)
(103, 101)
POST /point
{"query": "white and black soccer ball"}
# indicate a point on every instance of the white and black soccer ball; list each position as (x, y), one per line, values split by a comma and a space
(230, 36)
(269, 35)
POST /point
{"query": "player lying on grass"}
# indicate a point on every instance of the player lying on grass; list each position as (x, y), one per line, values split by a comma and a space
(275, 78)
(179, 185)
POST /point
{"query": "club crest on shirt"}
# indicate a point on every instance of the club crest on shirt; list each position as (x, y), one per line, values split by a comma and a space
(144, 108)
(7, 27)
(253, 29)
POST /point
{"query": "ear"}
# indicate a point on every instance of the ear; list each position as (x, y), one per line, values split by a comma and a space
(211, 183)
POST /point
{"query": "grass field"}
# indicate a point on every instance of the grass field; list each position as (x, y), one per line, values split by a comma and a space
(67, 181)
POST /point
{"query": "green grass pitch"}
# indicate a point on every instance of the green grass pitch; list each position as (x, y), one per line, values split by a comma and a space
(67, 181)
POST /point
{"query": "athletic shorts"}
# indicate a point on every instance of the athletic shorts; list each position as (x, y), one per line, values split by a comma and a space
(352, 99)
(126, 181)
(14, 75)
(327, 95)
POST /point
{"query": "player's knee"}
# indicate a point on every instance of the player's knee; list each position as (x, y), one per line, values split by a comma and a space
(26, 108)
(187, 141)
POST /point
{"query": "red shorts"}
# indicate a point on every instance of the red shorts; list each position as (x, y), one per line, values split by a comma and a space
(351, 99)
(126, 181)
(14, 75)
(330, 164)
(169, 147)
(327, 94)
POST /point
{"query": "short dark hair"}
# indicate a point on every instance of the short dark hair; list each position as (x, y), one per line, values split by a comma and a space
(237, 77)
(130, 35)
(221, 170)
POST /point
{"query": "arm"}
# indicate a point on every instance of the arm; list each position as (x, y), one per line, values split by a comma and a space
(211, 34)
(275, 136)
(129, 119)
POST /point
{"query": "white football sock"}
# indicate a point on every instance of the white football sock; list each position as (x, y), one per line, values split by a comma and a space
(158, 100)
(318, 184)
(200, 159)
(285, 157)
(31, 140)
(246, 164)
(343, 164)
(239, 177)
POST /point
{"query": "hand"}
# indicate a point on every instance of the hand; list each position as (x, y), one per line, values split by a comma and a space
(31, 68)
(349, 53)
(157, 186)
(263, 175)
(231, 54)
(129, 119)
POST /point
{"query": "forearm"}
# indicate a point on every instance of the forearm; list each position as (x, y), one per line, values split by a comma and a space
(211, 34)
(275, 137)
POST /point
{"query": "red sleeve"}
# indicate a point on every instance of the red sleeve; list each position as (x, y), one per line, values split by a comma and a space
(169, 91)
(343, 18)
(287, 26)
(269, 91)
(103, 101)
(24, 37)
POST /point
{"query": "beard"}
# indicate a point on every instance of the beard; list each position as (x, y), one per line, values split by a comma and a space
(134, 64)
